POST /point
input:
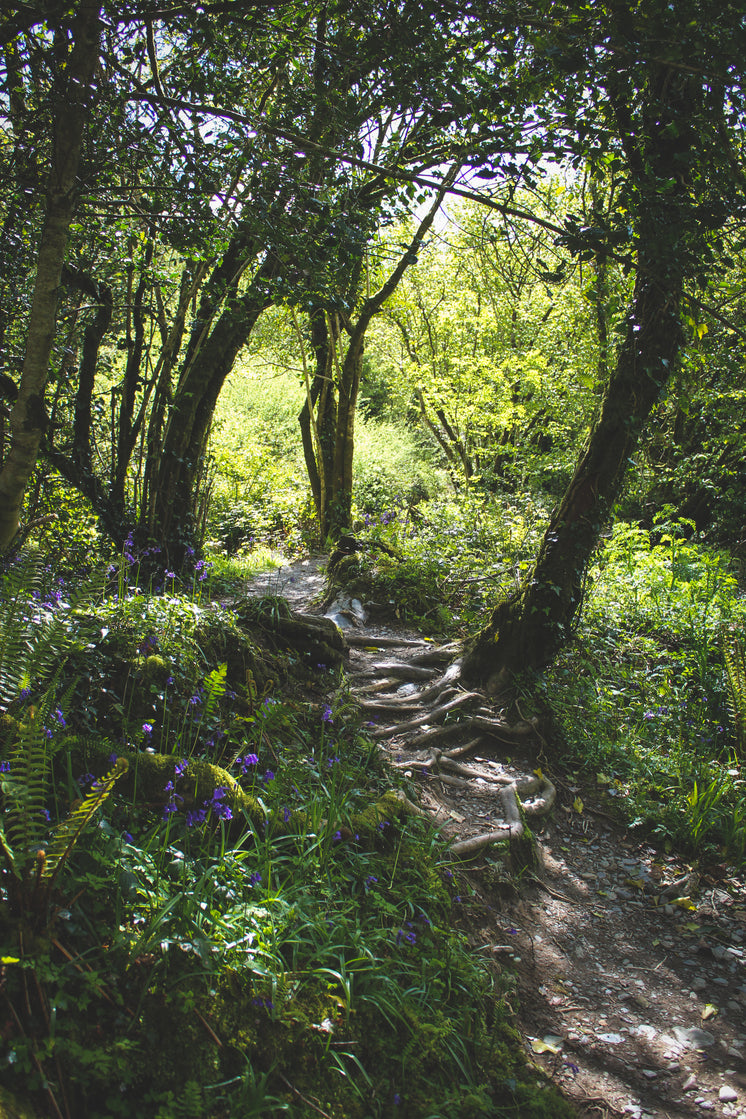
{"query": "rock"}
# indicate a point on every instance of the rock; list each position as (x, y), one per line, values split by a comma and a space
(727, 1094)
(693, 1038)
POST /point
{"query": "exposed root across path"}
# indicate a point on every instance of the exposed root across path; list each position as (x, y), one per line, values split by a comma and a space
(630, 968)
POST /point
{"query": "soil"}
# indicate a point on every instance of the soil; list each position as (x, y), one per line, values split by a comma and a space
(628, 965)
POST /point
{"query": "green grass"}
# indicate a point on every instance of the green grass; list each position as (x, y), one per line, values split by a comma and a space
(641, 694)
(199, 962)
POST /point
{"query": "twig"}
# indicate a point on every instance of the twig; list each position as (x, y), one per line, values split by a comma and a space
(302, 1097)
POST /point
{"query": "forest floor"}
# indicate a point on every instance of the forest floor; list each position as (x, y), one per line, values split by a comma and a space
(629, 964)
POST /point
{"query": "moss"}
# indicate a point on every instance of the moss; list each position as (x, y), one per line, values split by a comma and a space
(374, 819)
(148, 774)
(13, 1107)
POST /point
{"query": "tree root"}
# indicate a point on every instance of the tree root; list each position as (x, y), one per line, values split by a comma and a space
(432, 716)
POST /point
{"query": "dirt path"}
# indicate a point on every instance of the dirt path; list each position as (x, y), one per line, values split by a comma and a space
(630, 969)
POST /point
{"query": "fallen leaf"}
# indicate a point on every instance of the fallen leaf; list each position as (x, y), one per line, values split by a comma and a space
(638, 883)
(684, 903)
(708, 1011)
(545, 1046)
(578, 805)
(602, 779)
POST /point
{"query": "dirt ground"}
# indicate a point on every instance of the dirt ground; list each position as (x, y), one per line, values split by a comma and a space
(627, 966)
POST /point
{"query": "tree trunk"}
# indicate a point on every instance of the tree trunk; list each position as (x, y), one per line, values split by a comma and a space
(167, 510)
(526, 631)
(28, 418)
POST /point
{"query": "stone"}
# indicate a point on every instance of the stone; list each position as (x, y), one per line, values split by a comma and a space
(727, 1094)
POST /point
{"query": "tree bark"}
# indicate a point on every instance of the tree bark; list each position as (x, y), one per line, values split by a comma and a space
(527, 630)
(28, 417)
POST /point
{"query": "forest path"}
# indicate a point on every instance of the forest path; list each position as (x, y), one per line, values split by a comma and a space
(630, 968)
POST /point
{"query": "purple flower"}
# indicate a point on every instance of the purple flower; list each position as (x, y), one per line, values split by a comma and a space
(197, 816)
(24, 693)
(220, 810)
(169, 575)
(171, 804)
(4, 767)
(147, 729)
(268, 776)
(327, 713)
(247, 762)
(195, 699)
(286, 814)
(370, 880)
(255, 878)
(180, 768)
(60, 717)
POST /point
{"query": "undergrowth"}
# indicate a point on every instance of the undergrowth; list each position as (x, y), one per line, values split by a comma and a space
(641, 699)
(197, 959)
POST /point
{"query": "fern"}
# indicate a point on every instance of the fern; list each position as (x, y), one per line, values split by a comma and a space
(734, 659)
(67, 833)
(27, 785)
(215, 690)
(35, 639)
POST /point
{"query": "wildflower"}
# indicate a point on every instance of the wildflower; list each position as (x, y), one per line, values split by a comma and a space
(171, 804)
(60, 717)
(4, 767)
(370, 880)
(127, 837)
(384, 824)
(197, 816)
(24, 693)
(247, 762)
(255, 878)
(268, 776)
(220, 810)
(112, 759)
(331, 761)
(169, 575)
(338, 835)
(180, 768)
(147, 729)
(327, 713)
(194, 700)
(286, 814)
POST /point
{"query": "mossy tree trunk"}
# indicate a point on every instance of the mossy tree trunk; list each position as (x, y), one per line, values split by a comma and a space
(527, 630)
(664, 157)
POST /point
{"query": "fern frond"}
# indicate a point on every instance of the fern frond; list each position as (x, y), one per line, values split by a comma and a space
(734, 658)
(35, 639)
(215, 690)
(67, 833)
(27, 786)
